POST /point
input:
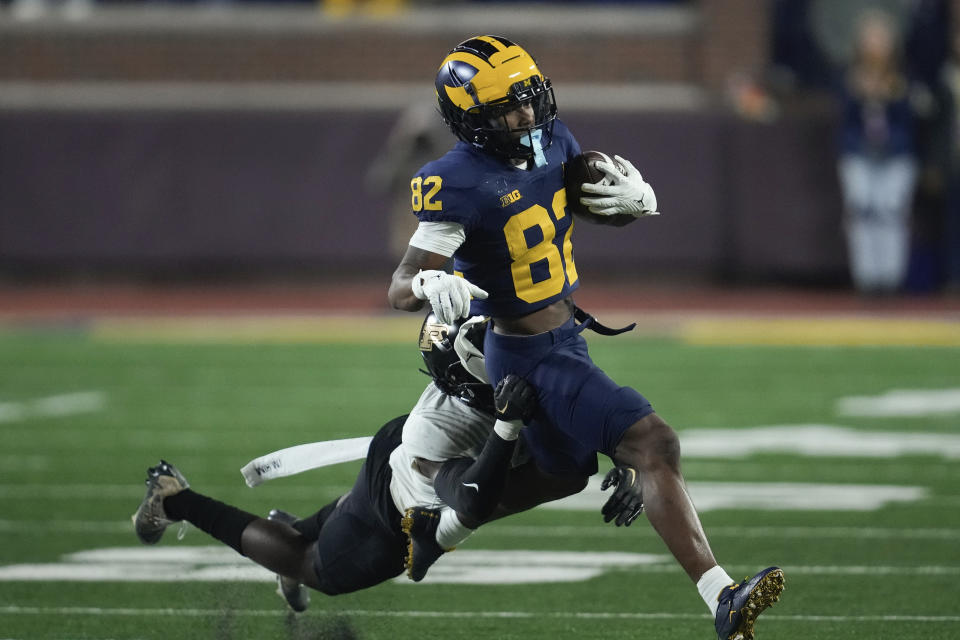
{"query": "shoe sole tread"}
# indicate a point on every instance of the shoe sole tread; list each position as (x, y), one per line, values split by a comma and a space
(149, 520)
(408, 524)
(766, 592)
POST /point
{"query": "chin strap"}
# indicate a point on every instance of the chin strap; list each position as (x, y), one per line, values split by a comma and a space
(539, 159)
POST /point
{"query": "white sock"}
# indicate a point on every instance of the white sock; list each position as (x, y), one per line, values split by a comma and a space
(450, 531)
(711, 584)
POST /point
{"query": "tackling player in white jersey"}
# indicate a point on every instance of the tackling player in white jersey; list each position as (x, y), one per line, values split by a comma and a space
(428, 480)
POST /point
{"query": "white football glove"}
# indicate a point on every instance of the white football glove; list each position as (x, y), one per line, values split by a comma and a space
(621, 193)
(449, 295)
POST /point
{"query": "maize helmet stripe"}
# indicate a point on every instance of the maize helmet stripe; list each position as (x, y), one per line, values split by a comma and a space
(482, 48)
(502, 41)
(492, 82)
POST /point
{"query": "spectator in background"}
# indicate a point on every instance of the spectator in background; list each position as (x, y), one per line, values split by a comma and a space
(877, 164)
(926, 49)
(796, 57)
(951, 236)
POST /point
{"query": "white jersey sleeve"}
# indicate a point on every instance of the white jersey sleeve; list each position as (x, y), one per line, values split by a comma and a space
(439, 427)
(443, 237)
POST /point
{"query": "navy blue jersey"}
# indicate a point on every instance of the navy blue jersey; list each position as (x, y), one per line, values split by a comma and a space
(518, 230)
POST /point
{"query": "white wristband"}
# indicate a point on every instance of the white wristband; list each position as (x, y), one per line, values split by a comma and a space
(508, 430)
(416, 285)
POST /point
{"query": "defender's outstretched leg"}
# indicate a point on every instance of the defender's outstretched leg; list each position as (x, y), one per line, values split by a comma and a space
(293, 592)
(274, 545)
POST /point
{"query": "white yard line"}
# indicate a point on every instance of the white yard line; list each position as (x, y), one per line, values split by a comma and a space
(189, 563)
(67, 526)
(123, 527)
(135, 490)
(816, 440)
(872, 570)
(588, 531)
(65, 404)
(767, 496)
(279, 612)
(898, 403)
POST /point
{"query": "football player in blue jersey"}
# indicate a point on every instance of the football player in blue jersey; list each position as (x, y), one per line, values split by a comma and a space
(496, 204)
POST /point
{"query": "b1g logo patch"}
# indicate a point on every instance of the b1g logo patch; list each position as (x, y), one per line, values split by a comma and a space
(510, 198)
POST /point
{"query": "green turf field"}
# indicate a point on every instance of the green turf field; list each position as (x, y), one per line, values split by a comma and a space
(82, 417)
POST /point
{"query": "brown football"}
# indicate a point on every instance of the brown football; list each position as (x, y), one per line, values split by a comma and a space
(583, 169)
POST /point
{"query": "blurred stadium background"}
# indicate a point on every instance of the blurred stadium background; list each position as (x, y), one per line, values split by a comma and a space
(201, 204)
(230, 141)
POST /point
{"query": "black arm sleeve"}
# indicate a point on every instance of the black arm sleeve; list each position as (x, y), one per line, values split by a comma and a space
(473, 487)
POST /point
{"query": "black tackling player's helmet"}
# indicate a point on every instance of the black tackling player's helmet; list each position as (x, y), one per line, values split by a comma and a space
(484, 78)
(444, 366)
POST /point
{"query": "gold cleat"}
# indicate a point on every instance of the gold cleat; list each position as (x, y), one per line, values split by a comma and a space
(741, 604)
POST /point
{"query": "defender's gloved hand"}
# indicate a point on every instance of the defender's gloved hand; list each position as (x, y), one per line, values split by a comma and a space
(449, 295)
(623, 193)
(626, 503)
(515, 402)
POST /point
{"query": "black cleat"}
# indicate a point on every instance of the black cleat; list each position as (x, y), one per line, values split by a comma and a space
(420, 525)
(740, 604)
(296, 595)
(150, 520)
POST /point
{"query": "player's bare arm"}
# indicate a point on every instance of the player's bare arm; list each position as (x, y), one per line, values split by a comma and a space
(414, 260)
(420, 278)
